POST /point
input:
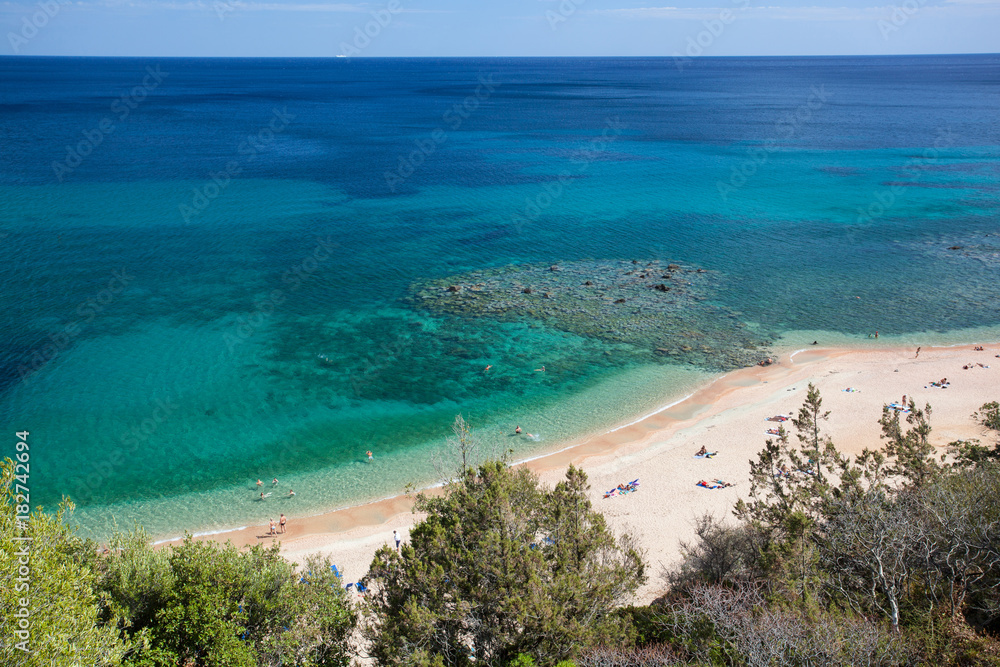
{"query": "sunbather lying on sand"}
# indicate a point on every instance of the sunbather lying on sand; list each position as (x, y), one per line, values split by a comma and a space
(716, 484)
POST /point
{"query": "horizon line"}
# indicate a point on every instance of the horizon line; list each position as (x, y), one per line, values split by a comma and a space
(537, 57)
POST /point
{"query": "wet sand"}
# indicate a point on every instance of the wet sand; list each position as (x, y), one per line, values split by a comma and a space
(727, 416)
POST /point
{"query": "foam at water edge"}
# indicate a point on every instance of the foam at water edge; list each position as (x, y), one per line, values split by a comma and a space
(658, 411)
(201, 534)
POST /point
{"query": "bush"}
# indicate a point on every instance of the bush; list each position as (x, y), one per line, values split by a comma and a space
(502, 567)
(62, 616)
(209, 605)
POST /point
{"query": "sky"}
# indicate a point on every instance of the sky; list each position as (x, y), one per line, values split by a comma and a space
(444, 28)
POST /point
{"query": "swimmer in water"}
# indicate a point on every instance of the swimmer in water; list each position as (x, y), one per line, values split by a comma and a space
(259, 482)
(290, 493)
(540, 370)
(262, 495)
(517, 429)
(369, 455)
(274, 482)
(488, 367)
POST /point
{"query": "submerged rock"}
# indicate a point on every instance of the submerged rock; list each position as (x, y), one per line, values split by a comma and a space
(666, 319)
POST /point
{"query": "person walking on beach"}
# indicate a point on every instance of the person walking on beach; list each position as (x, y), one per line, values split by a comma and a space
(282, 521)
(917, 354)
(395, 536)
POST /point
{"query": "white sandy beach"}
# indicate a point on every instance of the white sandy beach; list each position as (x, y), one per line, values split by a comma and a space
(727, 416)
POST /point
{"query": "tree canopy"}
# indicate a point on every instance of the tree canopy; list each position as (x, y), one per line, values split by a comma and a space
(500, 567)
(49, 592)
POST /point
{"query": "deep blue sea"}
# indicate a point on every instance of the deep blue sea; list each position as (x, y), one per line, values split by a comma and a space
(208, 264)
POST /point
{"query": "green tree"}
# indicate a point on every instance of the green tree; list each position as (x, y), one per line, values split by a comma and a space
(501, 567)
(44, 564)
(789, 488)
(909, 450)
(969, 453)
(207, 605)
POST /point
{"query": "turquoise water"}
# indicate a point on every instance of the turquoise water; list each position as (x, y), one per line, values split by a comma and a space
(163, 364)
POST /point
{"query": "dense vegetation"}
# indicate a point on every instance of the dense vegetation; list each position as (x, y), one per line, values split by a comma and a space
(892, 558)
(198, 605)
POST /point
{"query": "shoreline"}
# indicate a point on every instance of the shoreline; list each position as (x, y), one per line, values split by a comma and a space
(558, 448)
(781, 348)
(725, 411)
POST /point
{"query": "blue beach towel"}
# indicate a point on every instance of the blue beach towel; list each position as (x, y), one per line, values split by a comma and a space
(629, 488)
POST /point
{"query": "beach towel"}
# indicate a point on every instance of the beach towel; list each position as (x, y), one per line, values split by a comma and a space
(707, 455)
(898, 407)
(716, 484)
(852, 390)
(628, 488)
